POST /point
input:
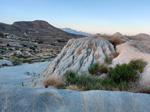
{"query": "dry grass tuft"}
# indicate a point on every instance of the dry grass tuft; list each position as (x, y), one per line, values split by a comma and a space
(90, 44)
(79, 50)
(83, 47)
(113, 54)
(114, 40)
(70, 64)
(53, 80)
(97, 56)
(94, 48)
(69, 44)
(74, 87)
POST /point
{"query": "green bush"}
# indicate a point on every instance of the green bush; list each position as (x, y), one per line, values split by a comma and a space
(1, 57)
(93, 68)
(138, 64)
(87, 82)
(70, 77)
(16, 61)
(123, 73)
(103, 69)
(108, 60)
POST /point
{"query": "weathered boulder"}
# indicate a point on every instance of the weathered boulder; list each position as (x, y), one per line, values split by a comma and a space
(16, 99)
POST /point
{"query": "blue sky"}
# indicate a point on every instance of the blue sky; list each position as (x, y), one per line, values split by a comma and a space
(94, 16)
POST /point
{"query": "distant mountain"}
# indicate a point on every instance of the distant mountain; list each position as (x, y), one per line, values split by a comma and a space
(69, 30)
(37, 29)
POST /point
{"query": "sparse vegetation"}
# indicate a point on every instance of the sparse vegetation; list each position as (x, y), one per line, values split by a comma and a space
(123, 73)
(74, 87)
(108, 60)
(138, 64)
(97, 56)
(121, 77)
(93, 69)
(84, 82)
(114, 54)
(53, 80)
(103, 69)
(114, 40)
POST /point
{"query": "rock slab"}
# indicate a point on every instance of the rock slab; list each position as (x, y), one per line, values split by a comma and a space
(17, 99)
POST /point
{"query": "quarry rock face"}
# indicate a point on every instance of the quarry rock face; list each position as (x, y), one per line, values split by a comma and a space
(79, 54)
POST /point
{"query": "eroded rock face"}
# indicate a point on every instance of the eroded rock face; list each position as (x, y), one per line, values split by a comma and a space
(79, 54)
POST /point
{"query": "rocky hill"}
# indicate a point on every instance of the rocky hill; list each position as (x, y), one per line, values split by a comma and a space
(37, 29)
(77, 55)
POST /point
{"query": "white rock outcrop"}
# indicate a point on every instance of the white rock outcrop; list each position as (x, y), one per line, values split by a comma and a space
(79, 54)
(132, 50)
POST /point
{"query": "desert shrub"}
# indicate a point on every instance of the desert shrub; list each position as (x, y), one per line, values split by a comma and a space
(138, 64)
(123, 73)
(16, 61)
(103, 69)
(54, 80)
(86, 82)
(70, 77)
(115, 40)
(108, 60)
(93, 68)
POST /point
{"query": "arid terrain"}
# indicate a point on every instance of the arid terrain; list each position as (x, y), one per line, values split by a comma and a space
(58, 71)
(31, 41)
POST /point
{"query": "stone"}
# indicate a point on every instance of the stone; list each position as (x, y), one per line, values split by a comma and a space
(31, 99)
(77, 55)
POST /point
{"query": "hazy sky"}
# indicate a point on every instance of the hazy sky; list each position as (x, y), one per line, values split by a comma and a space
(94, 16)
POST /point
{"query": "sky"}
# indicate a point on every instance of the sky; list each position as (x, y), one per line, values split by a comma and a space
(94, 16)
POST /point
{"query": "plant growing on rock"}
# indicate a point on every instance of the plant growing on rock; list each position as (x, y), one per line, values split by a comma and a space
(83, 82)
(123, 73)
(93, 69)
(103, 69)
(108, 60)
(138, 64)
